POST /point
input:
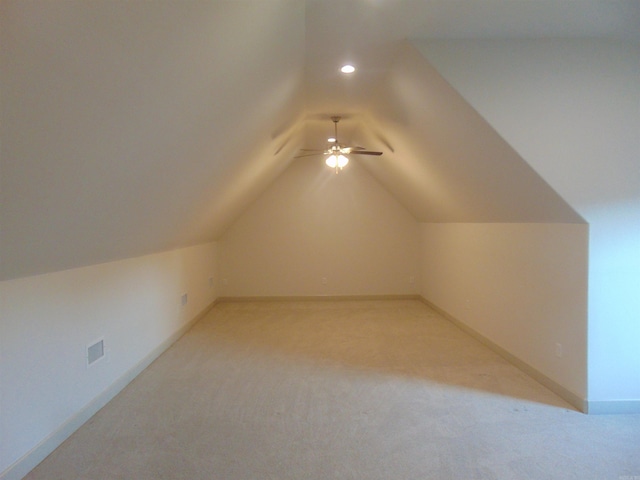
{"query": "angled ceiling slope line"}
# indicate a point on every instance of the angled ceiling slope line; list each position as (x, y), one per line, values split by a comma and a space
(134, 128)
(448, 164)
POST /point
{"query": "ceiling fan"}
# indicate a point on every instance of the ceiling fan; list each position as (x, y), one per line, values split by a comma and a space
(337, 153)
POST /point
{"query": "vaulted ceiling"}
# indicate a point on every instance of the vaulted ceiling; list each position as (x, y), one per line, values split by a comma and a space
(134, 127)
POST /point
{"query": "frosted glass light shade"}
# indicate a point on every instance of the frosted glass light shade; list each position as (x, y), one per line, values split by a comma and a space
(340, 161)
(331, 161)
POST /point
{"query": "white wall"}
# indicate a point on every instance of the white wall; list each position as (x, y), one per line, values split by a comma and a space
(522, 286)
(47, 321)
(571, 108)
(313, 224)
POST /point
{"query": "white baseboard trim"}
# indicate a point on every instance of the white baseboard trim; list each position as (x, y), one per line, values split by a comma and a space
(562, 392)
(307, 298)
(613, 407)
(30, 460)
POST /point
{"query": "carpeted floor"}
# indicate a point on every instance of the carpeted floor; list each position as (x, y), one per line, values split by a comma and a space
(340, 390)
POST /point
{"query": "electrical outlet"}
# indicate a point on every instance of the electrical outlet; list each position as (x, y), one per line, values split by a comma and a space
(183, 299)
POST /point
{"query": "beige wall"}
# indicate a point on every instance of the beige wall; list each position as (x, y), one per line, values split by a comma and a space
(47, 321)
(522, 286)
(571, 109)
(312, 224)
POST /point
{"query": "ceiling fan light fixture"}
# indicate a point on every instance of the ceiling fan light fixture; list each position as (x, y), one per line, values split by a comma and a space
(348, 69)
(337, 161)
(337, 154)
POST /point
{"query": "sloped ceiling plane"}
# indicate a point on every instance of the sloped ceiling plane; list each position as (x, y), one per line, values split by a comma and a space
(135, 127)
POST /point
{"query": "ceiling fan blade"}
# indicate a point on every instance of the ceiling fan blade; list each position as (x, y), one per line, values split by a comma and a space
(347, 150)
(309, 154)
(311, 150)
(364, 152)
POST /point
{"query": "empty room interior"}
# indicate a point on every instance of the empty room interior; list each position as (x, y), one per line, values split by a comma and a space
(190, 288)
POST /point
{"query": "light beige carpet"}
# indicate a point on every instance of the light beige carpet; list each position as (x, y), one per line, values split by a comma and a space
(340, 390)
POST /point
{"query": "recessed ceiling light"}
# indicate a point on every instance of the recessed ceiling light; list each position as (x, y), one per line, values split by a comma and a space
(331, 139)
(348, 69)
